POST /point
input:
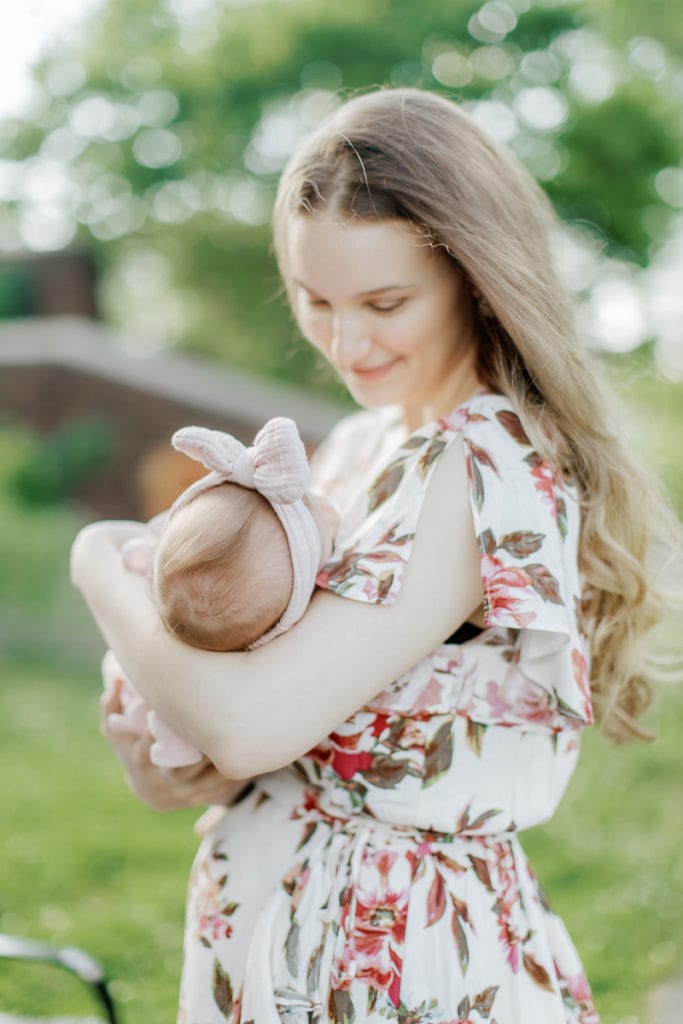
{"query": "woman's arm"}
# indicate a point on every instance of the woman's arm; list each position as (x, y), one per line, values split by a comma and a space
(255, 711)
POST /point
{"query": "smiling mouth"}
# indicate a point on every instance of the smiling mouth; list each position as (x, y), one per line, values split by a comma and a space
(373, 372)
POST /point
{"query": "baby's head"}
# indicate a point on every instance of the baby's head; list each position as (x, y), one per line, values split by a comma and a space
(223, 573)
(234, 567)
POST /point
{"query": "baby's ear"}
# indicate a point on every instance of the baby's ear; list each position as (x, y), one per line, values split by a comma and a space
(213, 448)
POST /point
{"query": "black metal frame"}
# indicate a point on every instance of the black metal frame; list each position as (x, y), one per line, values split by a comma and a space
(71, 958)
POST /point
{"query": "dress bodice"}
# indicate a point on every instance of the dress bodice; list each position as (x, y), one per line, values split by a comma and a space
(388, 884)
(478, 738)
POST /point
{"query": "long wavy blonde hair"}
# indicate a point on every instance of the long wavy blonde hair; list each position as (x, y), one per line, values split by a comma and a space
(412, 155)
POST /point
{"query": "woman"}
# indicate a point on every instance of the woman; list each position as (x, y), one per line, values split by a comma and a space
(492, 545)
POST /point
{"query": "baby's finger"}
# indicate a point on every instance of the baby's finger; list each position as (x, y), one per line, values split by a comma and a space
(110, 701)
(122, 725)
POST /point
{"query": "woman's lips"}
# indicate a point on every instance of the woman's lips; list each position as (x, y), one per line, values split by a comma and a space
(373, 372)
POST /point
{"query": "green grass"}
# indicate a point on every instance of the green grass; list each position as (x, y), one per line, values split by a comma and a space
(83, 863)
(611, 862)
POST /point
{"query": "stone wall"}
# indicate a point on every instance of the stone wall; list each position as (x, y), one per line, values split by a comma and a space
(61, 370)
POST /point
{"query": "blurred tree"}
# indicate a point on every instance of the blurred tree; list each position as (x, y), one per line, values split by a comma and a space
(624, 20)
(160, 139)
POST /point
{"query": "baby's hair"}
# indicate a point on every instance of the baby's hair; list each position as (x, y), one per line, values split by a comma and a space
(223, 572)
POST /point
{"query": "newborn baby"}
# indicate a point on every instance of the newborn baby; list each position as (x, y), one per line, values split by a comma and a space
(233, 563)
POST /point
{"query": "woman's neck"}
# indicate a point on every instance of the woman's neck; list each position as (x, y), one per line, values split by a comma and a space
(455, 392)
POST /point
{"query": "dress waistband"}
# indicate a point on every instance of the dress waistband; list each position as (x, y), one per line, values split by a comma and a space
(312, 803)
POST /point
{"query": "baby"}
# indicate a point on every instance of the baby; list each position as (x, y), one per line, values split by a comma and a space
(233, 563)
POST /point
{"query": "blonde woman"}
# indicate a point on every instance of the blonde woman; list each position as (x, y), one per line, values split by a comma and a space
(486, 597)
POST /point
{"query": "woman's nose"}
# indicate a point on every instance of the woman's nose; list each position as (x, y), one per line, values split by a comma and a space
(349, 341)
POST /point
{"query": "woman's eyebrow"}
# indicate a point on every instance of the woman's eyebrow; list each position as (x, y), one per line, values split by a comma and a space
(364, 294)
(386, 288)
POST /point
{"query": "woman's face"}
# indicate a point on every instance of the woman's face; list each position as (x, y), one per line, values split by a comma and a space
(389, 312)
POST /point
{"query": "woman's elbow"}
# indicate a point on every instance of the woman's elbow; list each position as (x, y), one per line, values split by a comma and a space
(245, 755)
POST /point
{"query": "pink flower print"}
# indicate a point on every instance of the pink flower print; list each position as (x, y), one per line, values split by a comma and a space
(507, 936)
(544, 482)
(499, 581)
(322, 754)
(579, 988)
(497, 705)
(508, 897)
(576, 992)
(455, 420)
(375, 936)
(346, 765)
(218, 926)
(311, 799)
(384, 860)
(380, 923)
(535, 704)
(310, 806)
(346, 741)
(379, 725)
(580, 666)
(432, 693)
(346, 758)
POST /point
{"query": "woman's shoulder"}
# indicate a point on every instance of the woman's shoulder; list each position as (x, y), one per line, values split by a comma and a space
(360, 423)
(350, 450)
(487, 412)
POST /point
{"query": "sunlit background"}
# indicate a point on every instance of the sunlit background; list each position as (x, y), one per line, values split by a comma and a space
(140, 146)
(117, 149)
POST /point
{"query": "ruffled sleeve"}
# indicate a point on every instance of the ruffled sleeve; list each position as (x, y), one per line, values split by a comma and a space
(527, 521)
(375, 538)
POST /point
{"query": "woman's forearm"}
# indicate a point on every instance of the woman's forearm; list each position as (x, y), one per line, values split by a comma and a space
(255, 711)
(165, 671)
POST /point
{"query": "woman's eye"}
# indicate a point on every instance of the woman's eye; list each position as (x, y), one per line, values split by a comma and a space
(318, 304)
(386, 307)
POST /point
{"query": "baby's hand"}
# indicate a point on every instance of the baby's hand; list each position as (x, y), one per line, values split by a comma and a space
(137, 554)
(92, 540)
(164, 789)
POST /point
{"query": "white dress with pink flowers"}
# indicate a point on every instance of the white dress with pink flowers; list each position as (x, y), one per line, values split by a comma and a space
(381, 877)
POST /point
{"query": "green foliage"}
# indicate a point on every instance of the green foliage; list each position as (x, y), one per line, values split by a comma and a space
(614, 151)
(15, 293)
(229, 91)
(54, 466)
(652, 417)
(623, 20)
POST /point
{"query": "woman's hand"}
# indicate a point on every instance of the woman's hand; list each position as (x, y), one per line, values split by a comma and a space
(164, 789)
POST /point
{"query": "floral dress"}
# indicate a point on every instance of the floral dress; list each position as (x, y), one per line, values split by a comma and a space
(380, 878)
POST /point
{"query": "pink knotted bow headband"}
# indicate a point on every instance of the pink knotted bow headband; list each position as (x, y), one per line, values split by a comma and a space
(276, 466)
